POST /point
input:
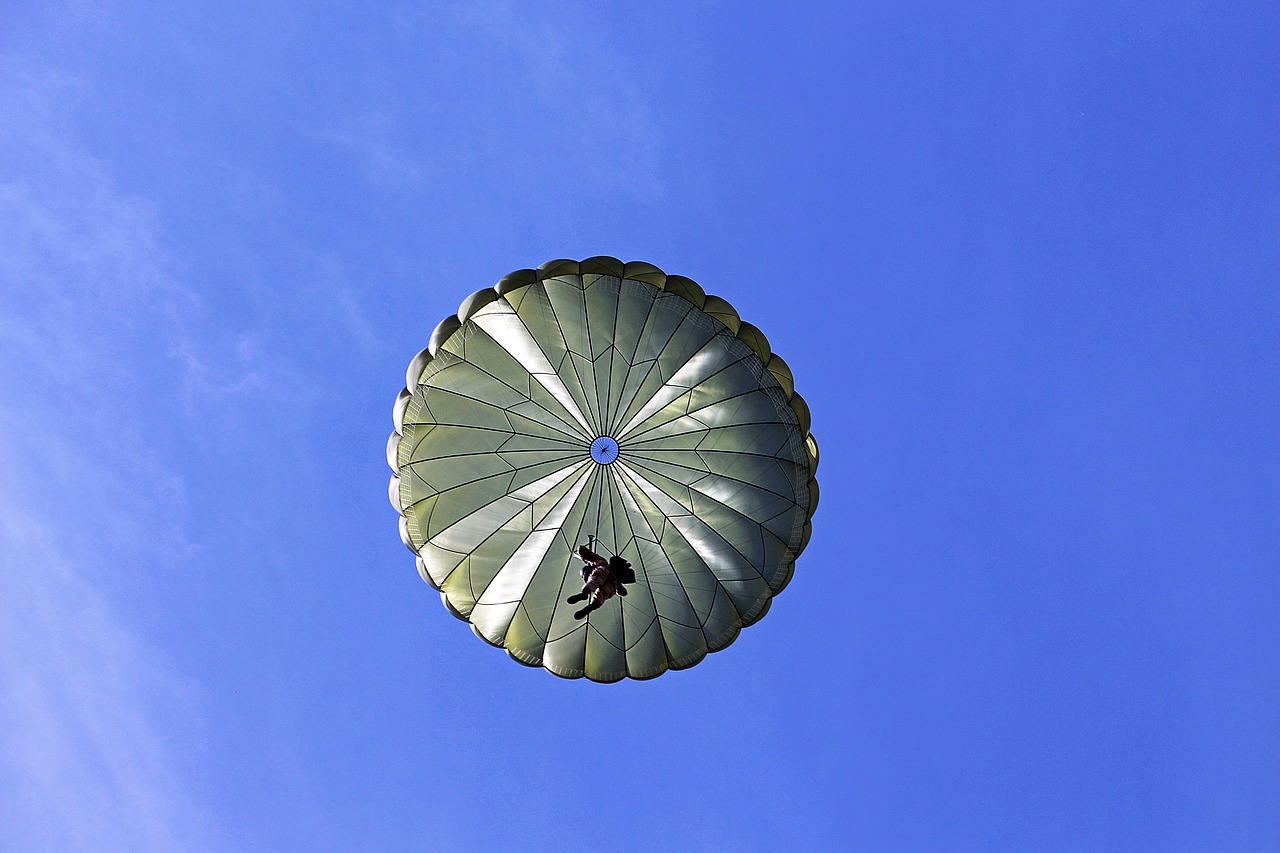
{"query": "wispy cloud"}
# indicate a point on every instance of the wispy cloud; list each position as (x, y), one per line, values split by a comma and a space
(576, 105)
(88, 712)
(95, 724)
(371, 139)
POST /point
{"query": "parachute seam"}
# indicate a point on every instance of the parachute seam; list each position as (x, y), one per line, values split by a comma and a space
(693, 513)
(632, 436)
(622, 602)
(591, 357)
(676, 574)
(657, 539)
(668, 384)
(577, 440)
(620, 483)
(685, 315)
(631, 360)
(559, 532)
(568, 564)
(470, 482)
(650, 426)
(710, 473)
(607, 416)
(499, 530)
(537, 343)
(528, 395)
(569, 352)
(688, 316)
(711, 428)
(479, 479)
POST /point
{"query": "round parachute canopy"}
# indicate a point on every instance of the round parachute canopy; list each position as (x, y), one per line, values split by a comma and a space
(607, 400)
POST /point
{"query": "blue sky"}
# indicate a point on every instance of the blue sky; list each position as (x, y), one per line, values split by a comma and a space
(1023, 262)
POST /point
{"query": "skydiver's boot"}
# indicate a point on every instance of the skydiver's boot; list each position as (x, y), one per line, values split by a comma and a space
(574, 599)
(584, 611)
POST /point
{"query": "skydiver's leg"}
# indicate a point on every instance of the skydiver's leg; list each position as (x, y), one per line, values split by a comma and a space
(597, 595)
(582, 596)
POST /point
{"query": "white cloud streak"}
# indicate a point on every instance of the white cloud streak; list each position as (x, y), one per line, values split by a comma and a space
(88, 712)
(95, 724)
(559, 95)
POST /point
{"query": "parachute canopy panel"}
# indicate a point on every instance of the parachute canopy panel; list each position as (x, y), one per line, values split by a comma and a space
(586, 399)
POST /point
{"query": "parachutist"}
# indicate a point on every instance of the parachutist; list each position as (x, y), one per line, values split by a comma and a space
(601, 579)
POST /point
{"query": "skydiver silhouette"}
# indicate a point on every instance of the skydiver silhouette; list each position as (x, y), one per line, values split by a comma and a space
(599, 580)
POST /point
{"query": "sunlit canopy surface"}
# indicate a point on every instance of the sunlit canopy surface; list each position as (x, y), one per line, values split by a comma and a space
(607, 400)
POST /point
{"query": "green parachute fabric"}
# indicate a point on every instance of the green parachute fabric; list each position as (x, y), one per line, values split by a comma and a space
(604, 399)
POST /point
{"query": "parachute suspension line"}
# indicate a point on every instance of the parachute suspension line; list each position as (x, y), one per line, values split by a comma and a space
(613, 516)
(599, 497)
(591, 544)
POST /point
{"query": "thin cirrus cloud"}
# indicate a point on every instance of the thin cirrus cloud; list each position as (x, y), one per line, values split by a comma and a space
(90, 711)
(521, 106)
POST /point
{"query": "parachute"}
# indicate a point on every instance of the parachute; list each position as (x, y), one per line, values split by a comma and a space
(607, 400)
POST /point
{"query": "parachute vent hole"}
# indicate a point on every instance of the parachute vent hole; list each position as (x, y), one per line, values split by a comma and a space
(604, 450)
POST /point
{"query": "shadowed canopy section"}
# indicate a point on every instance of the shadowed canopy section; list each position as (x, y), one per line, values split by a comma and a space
(607, 400)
